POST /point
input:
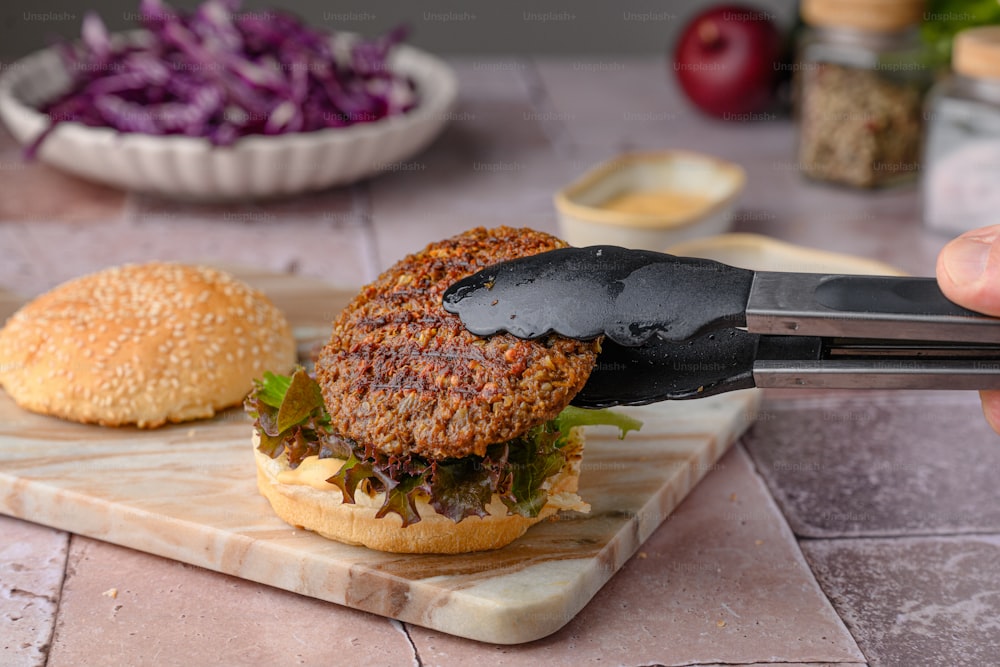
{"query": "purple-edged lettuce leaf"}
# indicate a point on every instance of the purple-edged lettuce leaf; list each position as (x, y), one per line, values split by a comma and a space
(291, 419)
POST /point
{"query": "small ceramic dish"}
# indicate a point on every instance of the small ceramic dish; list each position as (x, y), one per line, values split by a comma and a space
(764, 253)
(650, 200)
(255, 166)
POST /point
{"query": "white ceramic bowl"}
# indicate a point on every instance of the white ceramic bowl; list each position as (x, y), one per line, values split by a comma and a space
(253, 167)
(584, 222)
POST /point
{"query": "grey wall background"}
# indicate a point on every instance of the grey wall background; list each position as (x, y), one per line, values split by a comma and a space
(473, 27)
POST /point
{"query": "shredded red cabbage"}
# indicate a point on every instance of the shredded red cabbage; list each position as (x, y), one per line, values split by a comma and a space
(221, 74)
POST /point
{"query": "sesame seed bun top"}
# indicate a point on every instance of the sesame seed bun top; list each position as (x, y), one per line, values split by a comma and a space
(142, 344)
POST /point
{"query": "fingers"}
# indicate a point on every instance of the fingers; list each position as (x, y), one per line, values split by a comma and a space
(991, 408)
(968, 270)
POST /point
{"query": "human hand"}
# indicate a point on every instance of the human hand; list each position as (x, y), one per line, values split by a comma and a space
(968, 272)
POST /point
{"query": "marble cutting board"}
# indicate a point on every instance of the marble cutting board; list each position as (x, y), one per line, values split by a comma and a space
(187, 492)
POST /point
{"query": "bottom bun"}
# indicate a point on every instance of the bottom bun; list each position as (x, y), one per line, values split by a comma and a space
(323, 511)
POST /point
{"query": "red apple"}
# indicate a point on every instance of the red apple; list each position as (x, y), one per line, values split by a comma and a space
(726, 60)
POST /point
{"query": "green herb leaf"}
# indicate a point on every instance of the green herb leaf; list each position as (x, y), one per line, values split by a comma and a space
(943, 19)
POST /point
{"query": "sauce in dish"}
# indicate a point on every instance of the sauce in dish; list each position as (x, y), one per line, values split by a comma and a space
(657, 202)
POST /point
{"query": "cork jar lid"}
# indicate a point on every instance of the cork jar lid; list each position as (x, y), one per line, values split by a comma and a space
(868, 15)
(976, 52)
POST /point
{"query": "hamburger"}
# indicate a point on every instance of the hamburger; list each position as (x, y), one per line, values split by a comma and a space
(414, 435)
(143, 345)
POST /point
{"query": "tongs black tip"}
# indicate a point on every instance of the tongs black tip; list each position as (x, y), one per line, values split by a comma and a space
(662, 370)
(630, 296)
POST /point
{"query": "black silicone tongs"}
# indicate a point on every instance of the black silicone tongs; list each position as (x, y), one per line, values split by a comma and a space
(680, 327)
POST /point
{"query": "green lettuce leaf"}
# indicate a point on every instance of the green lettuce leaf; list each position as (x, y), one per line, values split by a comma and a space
(303, 399)
(531, 460)
(573, 416)
(271, 390)
(289, 415)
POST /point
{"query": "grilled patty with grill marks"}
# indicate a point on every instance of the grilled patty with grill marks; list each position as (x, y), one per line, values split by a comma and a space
(402, 375)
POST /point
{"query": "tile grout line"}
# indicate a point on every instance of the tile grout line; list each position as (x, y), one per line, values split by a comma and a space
(32, 249)
(361, 205)
(760, 664)
(401, 626)
(908, 536)
(852, 629)
(130, 209)
(808, 565)
(541, 102)
(59, 596)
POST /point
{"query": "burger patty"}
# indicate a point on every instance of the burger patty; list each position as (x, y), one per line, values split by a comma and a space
(404, 376)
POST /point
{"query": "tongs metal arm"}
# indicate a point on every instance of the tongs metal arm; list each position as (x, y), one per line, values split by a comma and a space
(881, 364)
(886, 307)
(735, 359)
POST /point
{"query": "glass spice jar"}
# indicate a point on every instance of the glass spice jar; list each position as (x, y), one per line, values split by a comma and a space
(861, 78)
(962, 149)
